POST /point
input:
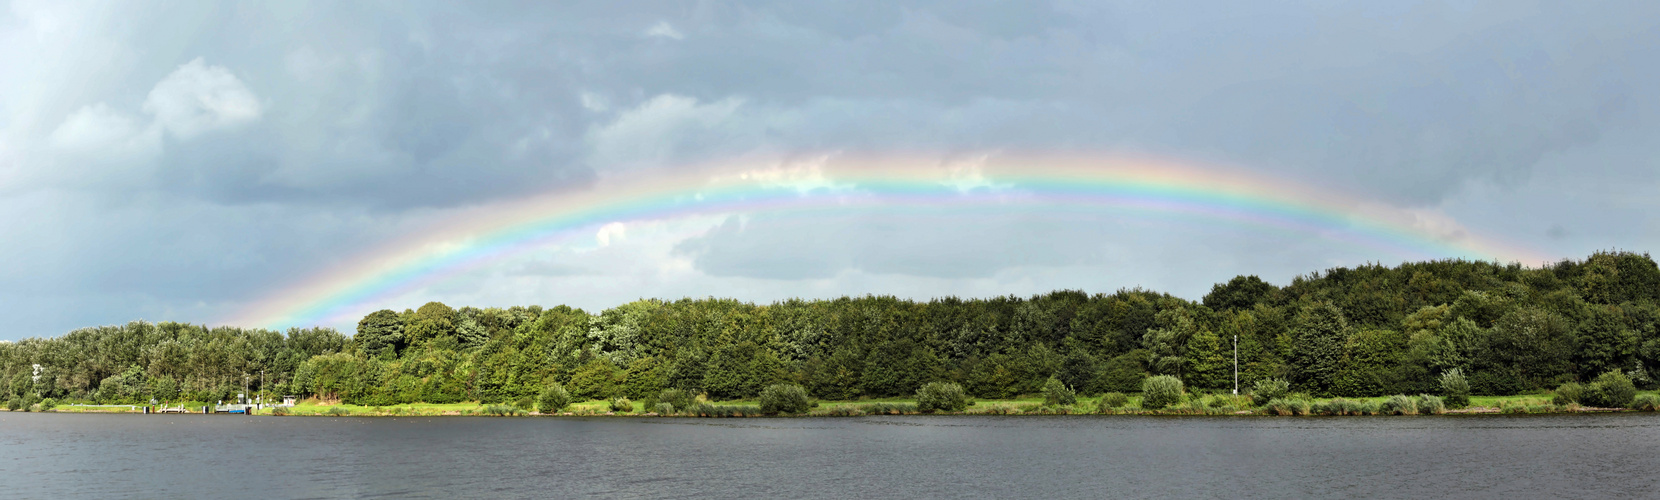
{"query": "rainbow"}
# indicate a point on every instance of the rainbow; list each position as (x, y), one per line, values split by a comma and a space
(484, 236)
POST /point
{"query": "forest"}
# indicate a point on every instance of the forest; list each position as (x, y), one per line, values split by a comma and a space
(1365, 331)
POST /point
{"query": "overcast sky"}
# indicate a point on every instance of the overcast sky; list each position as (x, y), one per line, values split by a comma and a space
(181, 160)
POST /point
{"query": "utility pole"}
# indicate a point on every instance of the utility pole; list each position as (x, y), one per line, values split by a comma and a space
(1236, 364)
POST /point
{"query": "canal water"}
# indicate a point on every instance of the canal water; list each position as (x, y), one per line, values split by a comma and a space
(194, 456)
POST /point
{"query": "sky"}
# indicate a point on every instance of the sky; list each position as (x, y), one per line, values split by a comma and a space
(193, 161)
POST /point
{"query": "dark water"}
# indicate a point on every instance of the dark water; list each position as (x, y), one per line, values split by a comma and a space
(45, 455)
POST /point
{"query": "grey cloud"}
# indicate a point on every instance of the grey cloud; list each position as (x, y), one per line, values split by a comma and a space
(186, 157)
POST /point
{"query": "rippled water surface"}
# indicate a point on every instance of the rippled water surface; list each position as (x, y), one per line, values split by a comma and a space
(60, 455)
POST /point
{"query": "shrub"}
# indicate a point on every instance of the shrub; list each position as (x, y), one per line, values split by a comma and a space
(1161, 391)
(1340, 406)
(1286, 407)
(335, 411)
(503, 410)
(15, 403)
(1568, 393)
(1455, 388)
(1266, 390)
(553, 399)
(784, 398)
(1646, 402)
(48, 404)
(719, 411)
(888, 408)
(1367, 408)
(1056, 393)
(280, 411)
(843, 411)
(1612, 389)
(1329, 407)
(940, 396)
(679, 398)
(665, 408)
(1431, 405)
(1398, 404)
(1541, 408)
(30, 400)
(1114, 400)
(622, 405)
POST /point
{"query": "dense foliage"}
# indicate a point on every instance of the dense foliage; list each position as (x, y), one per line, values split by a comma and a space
(1364, 331)
(941, 396)
(1455, 388)
(553, 399)
(1609, 390)
(784, 398)
(1161, 391)
(1056, 393)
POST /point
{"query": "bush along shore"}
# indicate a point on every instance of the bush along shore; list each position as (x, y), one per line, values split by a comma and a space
(1162, 395)
(1567, 332)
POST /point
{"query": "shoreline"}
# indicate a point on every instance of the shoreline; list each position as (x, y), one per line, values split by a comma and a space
(1481, 405)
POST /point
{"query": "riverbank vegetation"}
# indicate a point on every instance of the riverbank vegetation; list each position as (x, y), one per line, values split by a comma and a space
(1453, 329)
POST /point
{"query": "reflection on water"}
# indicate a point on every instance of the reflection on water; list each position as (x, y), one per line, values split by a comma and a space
(56, 455)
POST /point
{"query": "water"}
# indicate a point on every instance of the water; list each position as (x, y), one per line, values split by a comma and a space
(63, 455)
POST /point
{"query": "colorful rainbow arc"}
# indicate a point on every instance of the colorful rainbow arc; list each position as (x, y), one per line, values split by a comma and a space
(478, 239)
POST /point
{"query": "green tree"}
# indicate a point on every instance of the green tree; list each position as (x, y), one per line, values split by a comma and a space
(380, 334)
(1318, 333)
(1208, 365)
(433, 323)
(1079, 371)
(1241, 292)
(740, 370)
(595, 380)
(1606, 342)
(1524, 349)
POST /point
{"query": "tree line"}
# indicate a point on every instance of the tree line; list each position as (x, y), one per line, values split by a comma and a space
(1362, 331)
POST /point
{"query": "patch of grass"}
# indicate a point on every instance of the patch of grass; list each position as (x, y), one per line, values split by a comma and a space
(504, 411)
(1113, 400)
(723, 411)
(1399, 404)
(1341, 407)
(1431, 405)
(1286, 407)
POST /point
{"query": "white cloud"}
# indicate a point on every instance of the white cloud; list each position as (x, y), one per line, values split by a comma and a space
(98, 129)
(594, 102)
(664, 30)
(198, 98)
(658, 130)
(97, 145)
(610, 232)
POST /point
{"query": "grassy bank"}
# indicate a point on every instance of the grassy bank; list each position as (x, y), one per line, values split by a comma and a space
(1195, 405)
(1221, 404)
